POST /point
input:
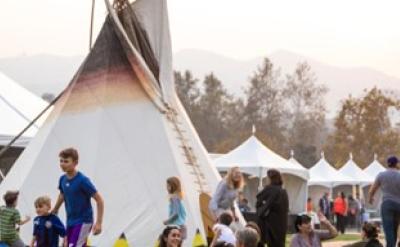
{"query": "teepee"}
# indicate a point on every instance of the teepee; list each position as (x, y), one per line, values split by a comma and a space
(122, 113)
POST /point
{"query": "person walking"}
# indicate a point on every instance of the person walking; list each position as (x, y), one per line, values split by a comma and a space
(353, 211)
(176, 209)
(389, 182)
(340, 210)
(325, 205)
(76, 190)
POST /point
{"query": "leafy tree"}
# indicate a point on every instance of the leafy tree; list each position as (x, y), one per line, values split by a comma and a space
(216, 107)
(188, 91)
(305, 112)
(265, 107)
(363, 127)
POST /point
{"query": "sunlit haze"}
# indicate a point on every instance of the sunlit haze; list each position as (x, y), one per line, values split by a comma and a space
(343, 33)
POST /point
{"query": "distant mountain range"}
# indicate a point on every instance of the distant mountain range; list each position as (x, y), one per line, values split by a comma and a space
(50, 74)
(41, 73)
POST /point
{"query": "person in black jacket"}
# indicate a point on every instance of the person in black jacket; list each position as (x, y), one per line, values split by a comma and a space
(325, 205)
(272, 209)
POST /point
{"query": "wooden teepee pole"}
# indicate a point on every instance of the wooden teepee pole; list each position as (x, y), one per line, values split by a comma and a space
(91, 25)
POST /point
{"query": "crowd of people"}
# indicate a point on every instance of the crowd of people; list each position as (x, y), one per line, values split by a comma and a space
(313, 226)
(271, 214)
(345, 211)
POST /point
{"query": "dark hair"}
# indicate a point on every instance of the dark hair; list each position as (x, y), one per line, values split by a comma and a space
(309, 199)
(392, 161)
(10, 197)
(342, 195)
(371, 230)
(225, 218)
(223, 244)
(69, 153)
(301, 219)
(275, 177)
(165, 233)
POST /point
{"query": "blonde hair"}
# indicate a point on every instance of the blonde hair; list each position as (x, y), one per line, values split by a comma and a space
(229, 179)
(43, 200)
(175, 186)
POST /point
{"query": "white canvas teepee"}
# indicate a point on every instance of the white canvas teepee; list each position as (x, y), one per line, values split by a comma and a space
(122, 114)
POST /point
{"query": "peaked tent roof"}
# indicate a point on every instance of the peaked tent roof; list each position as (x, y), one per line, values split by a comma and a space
(324, 174)
(252, 156)
(294, 161)
(374, 168)
(352, 170)
(214, 156)
(18, 107)
(131, 132)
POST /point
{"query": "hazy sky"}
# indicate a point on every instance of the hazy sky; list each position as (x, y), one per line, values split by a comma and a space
(341, 32)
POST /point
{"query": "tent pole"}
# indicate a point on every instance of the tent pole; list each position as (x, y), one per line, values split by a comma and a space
(91, 25)
(260, 179)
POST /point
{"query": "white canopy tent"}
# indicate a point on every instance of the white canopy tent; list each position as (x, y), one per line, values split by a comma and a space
(360, 178)
(294, 161)
(323, 174)
(254, 158)
(352, 170)
(18, 107)
(373, 170)
(323, 178)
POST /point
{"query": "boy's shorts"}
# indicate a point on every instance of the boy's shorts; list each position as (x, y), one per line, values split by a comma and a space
(77, 235)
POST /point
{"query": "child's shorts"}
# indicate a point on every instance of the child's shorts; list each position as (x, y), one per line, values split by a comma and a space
(77, 235)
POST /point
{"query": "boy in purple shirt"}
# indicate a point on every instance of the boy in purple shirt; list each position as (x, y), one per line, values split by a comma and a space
(76, 190)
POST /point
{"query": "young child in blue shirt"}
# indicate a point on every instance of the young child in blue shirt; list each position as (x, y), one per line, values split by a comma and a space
(76, 190)
(177, 213)
(47, 227)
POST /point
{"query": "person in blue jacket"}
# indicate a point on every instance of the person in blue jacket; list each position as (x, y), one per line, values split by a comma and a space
(47, 227)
